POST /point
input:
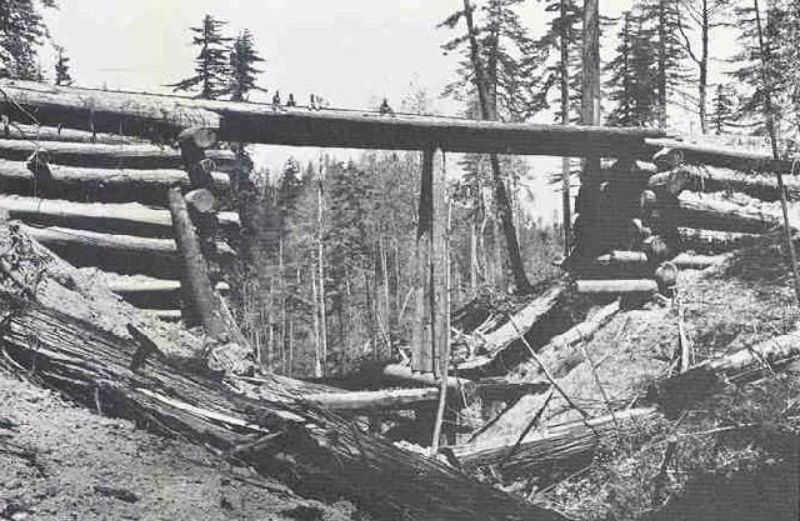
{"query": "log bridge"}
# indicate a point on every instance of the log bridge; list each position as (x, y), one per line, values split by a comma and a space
(129, 183)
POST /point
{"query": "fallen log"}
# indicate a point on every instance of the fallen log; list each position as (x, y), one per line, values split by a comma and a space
(125, 254)
(97, 184)
(151, 115)
(722, 215)
(710, 242)
(496, 341)
(317, 452)
(553, 444)
(620, 286)
(374, 400)
(404, 373)
(680, 391)
(560, 348)
(68, 135)
(98, 155)
(715, 179)
(119, 218)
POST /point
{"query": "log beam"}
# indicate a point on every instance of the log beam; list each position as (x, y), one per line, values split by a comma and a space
(621, 286)
(721, 156)
(148, 115)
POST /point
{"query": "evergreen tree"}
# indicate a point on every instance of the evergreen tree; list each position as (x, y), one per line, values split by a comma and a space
(63, 76)
(723, 108)
(764, 70)
(662, 18)
(243, 72)
(634, 77)
(509, 57)
(211, 63)
(22, 30)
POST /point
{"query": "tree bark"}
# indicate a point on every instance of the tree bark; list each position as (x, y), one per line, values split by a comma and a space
(97, 184)
(270, 429)
(718, 179)
(96, 155)
(119, 218)
(204, 300)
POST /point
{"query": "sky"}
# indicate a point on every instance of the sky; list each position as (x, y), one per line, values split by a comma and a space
(351, 52)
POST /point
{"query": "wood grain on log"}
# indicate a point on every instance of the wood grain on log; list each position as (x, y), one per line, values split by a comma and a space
(94, 155)
(711, 242)
(715, 214)
(496, 341)
(317, 452)
(37, 133)
(97, 184)
(204, 301)
(124, 218)
(716, 179)
(554, 443)
(148, 115)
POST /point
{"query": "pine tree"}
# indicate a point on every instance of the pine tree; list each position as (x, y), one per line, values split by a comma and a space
(63, 76)
(22, 30)
(509, 57)
(211, 63)
(723, 111)
(633, 80)
(763, 70)
(664, 30)
(243, 72)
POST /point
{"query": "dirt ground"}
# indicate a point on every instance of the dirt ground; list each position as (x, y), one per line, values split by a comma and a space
(62, 462)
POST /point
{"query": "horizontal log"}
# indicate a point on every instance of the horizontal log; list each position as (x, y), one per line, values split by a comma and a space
(682, 261)
(97, 184)
(721, 156)
(146, 115)
(374, 400)
(507, 333)
(98, 155)
(404, 373)
(168, 315)
(120, 218)
(716, 179)
(552, 444)
(709, 242)
(67, 135)
(620, 286)
(127, 254)
(151, 293)
(715, 214)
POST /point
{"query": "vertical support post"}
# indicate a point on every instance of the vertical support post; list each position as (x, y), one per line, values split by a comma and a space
(441, 290)
(590, 100)
(422, 359)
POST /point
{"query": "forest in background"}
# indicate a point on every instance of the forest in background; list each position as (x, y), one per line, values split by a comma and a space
(326, 270)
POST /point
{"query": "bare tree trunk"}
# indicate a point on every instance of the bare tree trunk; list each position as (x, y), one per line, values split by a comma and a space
(317, 344)
(590, 106)
(703, 86)
(565, 163)
(323, 313)
(500, 194)
(661, 81)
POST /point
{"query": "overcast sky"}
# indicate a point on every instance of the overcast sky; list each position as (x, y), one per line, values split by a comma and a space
(351, 52)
